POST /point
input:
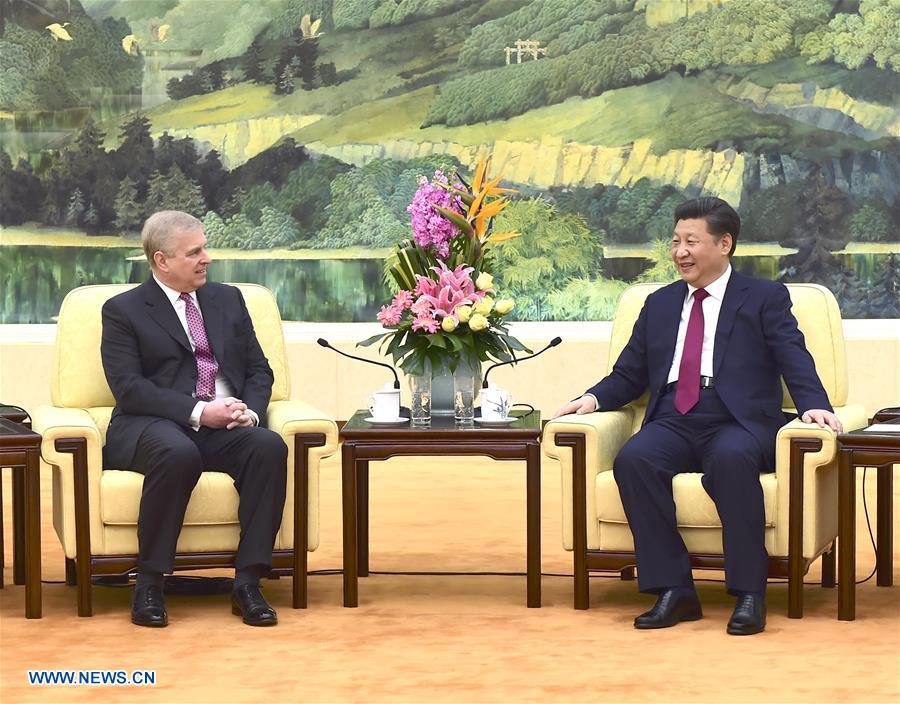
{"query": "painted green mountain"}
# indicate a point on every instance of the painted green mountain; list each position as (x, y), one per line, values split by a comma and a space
(395, 81)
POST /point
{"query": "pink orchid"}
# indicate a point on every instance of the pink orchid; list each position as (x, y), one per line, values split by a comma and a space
(431, 230)
(389, 315)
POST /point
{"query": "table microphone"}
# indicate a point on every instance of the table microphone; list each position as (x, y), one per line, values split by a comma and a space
(553, 343)
(325, 343)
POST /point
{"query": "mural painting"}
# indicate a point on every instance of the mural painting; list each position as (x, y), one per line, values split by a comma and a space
(298, 130)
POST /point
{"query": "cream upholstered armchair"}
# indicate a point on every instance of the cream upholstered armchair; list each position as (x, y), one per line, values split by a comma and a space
(800, 496)
(95, 512)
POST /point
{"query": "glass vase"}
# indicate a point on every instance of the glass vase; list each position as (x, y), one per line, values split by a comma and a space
(442, 386)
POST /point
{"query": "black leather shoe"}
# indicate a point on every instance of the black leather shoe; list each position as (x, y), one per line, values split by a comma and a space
(248, 602)
(671, 608)
(148, 608)
(749, 616)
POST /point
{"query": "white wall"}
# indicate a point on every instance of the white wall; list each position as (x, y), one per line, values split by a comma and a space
(338, 386)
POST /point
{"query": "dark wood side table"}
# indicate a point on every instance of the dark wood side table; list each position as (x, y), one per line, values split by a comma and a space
(864, 449)
(20, 448)
(364, 442)
(17, 415)
(887, 414)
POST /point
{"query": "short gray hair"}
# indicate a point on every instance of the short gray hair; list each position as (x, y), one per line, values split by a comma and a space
(161, 227)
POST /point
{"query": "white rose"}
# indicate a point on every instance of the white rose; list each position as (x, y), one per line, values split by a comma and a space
(478, 322)
(484, 306)
(484, 282)
(504, 305)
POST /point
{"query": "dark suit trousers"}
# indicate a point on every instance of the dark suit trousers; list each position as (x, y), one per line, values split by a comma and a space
(172, 457)
(707, 439)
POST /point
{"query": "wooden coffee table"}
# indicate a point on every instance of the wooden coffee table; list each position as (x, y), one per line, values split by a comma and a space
(20, 449)
(864, 449)
(364, 442)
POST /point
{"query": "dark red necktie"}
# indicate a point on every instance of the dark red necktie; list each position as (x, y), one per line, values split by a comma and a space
(687, 392)
(206, 362)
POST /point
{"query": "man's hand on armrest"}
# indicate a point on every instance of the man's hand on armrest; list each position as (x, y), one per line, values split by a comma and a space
(823, 418)
(580, 406)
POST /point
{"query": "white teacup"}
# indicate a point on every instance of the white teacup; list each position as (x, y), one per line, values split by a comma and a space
(385, 404)
(496, 403)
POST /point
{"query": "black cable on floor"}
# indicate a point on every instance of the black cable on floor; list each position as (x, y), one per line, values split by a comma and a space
(869, 526)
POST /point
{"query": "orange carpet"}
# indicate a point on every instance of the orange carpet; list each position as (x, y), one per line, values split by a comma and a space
(453, 638)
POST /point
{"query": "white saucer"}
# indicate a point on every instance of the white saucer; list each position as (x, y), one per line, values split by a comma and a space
(496, 421)
(389, 421)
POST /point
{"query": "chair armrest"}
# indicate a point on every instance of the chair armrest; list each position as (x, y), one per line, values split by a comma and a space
(604, 434)
(55, 423)
(818, 477)
(813, 459)
(852, 417)
(289, 418)
(292, 420)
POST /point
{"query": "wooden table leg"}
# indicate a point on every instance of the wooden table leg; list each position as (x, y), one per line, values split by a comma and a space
(884, 524)
(300, 586)
(846, 537)
(533, 519)
(18, 509)
(32, 521)
(349, 499)
(362, 516)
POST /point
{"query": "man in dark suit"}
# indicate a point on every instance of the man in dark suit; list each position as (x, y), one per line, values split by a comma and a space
(191, 384)
(710, 349)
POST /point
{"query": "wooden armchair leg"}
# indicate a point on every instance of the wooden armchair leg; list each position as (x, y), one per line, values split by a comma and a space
(828, 568)
(627, 573)
(78, 448)
(579, 516)
(303, 443)
(799, 448)
(71, 579)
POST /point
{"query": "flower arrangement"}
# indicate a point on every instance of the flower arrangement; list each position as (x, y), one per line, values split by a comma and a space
(446, 310)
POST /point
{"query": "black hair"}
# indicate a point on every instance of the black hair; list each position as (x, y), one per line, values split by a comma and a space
(720, 217)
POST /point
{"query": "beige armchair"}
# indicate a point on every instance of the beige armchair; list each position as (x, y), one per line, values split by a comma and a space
(800, 496)
(95, 512)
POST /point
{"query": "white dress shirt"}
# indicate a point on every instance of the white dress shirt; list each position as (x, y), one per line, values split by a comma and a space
(712, 304)
(223, 388)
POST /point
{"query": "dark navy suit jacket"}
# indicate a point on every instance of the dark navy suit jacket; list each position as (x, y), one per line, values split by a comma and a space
(151, 368)
(757, 342)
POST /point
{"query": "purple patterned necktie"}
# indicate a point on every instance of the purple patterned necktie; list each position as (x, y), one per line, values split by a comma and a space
(687, 392)
(206, 362)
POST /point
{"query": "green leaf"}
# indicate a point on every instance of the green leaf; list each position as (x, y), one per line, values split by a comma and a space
(372, 340)
(437, 340)
(516, 345)
(456, 219)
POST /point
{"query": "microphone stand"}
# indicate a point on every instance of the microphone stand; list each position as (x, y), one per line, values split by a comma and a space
(553, 343)
(325, 343)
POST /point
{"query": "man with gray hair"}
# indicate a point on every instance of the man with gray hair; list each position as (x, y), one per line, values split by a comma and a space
(191, 384)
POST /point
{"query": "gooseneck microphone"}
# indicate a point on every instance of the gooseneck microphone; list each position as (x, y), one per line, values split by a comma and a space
(325, 343)
(553, 343)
